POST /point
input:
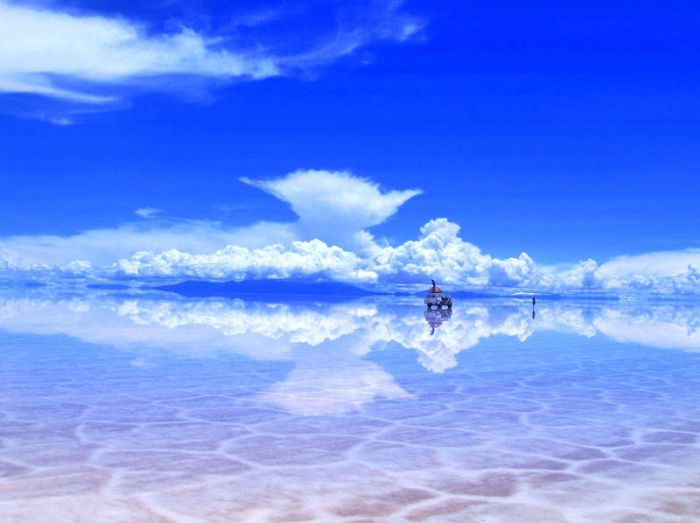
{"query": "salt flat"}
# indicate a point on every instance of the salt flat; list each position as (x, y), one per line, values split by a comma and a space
(119, 407)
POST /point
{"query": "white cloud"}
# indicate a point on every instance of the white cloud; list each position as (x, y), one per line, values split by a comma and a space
(438, 253)
(39, 85)
(103, 246)
(38, 44)
(85, 58)
(206, 249)
(62, 121)
(672, 270)
(334, 205)
(147, 212)
(355, 25)
(329, 241)
(302, 259)
(441, 254)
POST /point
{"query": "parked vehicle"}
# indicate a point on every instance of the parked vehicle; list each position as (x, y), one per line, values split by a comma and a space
(437, 298)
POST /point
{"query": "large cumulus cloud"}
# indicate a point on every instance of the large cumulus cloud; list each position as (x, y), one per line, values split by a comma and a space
(334, 206)
(441, 253)
(330, 240)
(301, 259)
(438, 253)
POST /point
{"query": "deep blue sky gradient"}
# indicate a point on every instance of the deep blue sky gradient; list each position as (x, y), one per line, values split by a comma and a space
(564, 130)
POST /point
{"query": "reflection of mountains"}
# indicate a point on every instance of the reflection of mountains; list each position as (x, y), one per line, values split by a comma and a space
(272, 331)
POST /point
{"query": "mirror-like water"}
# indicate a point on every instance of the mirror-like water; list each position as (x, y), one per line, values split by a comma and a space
(145, 408)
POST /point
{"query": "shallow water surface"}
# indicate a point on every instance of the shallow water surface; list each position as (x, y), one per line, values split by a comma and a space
(155, 408)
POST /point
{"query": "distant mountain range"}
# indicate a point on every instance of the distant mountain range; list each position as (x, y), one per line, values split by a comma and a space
(252, 288)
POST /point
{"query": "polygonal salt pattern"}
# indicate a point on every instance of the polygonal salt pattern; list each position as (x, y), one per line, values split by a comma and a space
(186, 416)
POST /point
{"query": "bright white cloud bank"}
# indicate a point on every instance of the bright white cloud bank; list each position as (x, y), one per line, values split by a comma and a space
(84, 57)
(329, 241)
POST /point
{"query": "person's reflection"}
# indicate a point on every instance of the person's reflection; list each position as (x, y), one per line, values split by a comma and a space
(435, 317)
(534, 302)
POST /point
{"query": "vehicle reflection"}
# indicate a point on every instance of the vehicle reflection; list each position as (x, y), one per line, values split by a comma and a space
(435, 318)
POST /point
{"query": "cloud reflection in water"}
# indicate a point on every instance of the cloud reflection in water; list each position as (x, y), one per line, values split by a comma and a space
(327, 343)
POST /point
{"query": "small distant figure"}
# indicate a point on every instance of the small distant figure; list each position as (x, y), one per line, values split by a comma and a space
(534, 301)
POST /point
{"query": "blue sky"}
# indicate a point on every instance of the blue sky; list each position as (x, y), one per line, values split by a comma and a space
(565, 131)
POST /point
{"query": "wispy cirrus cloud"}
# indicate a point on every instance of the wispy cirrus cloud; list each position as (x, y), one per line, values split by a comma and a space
(64, 55)
(90, 59)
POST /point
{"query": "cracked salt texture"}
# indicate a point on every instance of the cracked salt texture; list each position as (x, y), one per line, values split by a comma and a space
(141, 408)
